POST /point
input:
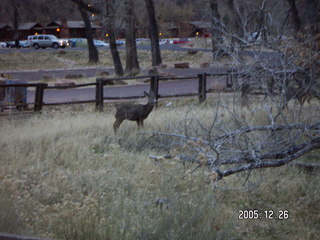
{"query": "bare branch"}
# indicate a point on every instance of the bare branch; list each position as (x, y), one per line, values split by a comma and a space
(273, 128)
(246, 129)
(308, 147)
(177, 135)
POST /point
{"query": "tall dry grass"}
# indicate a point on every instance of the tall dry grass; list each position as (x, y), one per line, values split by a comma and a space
(65, 175)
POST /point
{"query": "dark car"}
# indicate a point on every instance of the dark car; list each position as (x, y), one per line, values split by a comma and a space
(22, 43)
(11, 44)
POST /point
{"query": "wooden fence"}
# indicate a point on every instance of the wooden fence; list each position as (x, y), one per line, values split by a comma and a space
(40, 87)
(154, 85)
(102, 82)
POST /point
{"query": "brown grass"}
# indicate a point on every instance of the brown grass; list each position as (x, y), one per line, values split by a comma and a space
(64, 175)
(60, 59)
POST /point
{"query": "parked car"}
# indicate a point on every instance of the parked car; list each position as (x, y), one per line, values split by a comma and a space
(164, 41)
(254, 37)
(12, 44)
(77, 42)
(24, 43)
(99, 43)
(43, 41)
(3, 45)
(170, 40)
(180, 41)
(120, 42)
(141, 41)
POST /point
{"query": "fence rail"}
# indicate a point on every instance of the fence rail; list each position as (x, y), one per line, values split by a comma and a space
(71, 86)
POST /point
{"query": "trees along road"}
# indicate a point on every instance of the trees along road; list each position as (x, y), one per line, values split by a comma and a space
(166, 88)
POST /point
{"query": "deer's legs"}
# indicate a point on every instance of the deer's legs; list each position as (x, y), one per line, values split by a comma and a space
(117, 124)
(140, 123)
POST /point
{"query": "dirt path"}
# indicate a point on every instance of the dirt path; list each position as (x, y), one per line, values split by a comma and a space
(40, 75)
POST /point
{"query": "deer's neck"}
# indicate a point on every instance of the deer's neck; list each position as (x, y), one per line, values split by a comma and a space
(149, 107)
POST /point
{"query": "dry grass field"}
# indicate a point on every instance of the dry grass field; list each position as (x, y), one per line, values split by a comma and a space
(65, 175)
(60, 59)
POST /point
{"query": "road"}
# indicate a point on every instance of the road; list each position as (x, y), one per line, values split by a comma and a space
(267, 57)
(166, 89)
(40, 75)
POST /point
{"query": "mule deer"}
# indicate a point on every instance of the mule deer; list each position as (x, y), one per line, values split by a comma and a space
(302, 88)
(134, 112)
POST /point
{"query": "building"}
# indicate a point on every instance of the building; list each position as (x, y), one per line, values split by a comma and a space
(200, 28)
(189, 29)
(25, 29)
(28, 28)
(5, 34)
(76, 29)
(71, 29)
(61, 29)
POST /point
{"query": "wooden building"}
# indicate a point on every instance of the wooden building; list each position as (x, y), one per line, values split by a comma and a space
(5, 34)
(61, 29)
(200, 29)
(28, 28)
(70, 29)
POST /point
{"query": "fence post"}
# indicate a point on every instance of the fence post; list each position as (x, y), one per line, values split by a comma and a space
(202, 89)
(99, 94)
(38, 100)
(229, 79)
(154, 85)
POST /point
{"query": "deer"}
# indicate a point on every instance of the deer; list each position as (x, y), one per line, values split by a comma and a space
(134, 112)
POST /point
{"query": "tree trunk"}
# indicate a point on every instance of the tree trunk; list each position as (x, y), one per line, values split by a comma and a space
(132, 64)
(216, 31)
(295, 15)
(112, 37)
(235, 24)
(93, 52)
(154, 33)
(16, 24)
(313, 16)
(262, 23)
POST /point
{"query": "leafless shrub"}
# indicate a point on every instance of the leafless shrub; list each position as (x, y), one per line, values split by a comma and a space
(280, 136)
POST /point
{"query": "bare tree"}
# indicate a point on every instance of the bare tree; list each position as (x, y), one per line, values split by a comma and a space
(238, 144)
(295, 15)
(16, 23)
(176, 15)
(277, 122)
(132, 63)
(153, 33)
(262, 23)
(312, 9)
(49, 10)
(235, 22)
(18, 10)
(84, 8)
(110, 25)
(216, 27)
